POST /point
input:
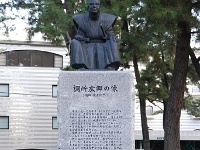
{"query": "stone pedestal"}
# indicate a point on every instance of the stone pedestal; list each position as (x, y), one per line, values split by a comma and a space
(95, 110)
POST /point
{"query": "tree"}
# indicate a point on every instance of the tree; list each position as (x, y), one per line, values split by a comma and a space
(127, 49)
(141, 95)
(159, 19)
(5, 27)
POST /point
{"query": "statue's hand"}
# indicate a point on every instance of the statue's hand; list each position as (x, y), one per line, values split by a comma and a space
(78, 37)
(113, 38)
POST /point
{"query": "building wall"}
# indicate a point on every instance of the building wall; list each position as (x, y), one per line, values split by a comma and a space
(189, 127)
(30, 105)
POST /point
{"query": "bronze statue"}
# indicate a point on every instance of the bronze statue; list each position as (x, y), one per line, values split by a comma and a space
(95, 45)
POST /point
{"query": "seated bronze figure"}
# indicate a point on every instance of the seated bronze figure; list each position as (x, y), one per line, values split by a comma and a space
(95, 45)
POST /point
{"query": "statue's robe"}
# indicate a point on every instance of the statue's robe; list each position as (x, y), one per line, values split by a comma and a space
(95, 45)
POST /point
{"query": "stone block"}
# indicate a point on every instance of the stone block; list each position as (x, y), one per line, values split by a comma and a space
(96, 110)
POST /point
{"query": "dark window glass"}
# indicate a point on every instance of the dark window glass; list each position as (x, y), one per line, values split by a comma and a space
(139, 144)
(54, 123)
(24, 58)
(32, 58)
(4, 122)
(47, 59)
(36, 59)
(157, 144)
(149, 110)
(13, 58)
(54, 90)
(4, 90)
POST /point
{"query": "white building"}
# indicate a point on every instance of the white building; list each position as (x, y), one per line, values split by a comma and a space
(28, 105)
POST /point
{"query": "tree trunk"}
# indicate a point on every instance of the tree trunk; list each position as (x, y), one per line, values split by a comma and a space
(145, 130)
(164, 111)
(176, 95)
(165, 83)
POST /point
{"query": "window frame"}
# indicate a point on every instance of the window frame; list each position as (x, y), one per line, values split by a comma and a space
(3, 57)
(8, 122)
(9, 55)
(41, 56)
(148, 111)
(21, 52)
(7, 89)
(53, 126)
(43, 61)
(53, 91)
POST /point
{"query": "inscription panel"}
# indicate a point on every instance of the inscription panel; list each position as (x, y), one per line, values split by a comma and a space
(95, 113)
(96, 129)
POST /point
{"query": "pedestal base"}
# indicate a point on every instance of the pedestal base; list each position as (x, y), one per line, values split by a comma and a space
(95, 110)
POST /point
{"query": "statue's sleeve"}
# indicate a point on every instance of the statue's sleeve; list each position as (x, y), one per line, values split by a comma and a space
(110, 32)
(108, 21)
(79, 23)
(80, 33)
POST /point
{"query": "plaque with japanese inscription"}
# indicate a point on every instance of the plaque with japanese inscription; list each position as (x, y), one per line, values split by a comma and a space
(95, 110)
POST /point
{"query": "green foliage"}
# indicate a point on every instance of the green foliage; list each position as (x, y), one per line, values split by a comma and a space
(68, 68)
(193, 78)
(152, 37)
(51, 22)
(52, 18)
(153, 78)
(5, 26)
(192, 105)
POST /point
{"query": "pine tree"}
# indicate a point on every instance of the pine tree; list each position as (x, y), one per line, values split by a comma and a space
(159, 20)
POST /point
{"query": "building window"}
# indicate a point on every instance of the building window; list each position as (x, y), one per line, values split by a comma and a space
(47, 59)
(24, 58)
(58, 61)
(54, 91)
(4, 90)
(138, 144)
(149, 110)
(31, 58)
(36, 59)
(54, 123)
(4, 122)
(13, 58)
(2, 59)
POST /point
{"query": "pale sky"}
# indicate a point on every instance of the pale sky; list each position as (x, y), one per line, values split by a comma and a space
(20, 32)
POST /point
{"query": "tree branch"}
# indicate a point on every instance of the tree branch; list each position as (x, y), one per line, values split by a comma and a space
(195, 4)
(152, 102)
(195, 62)
(195, 32)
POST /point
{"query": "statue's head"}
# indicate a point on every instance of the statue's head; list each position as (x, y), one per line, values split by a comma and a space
(94, 6)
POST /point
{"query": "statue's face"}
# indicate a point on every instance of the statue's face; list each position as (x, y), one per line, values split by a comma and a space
(94, 6)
